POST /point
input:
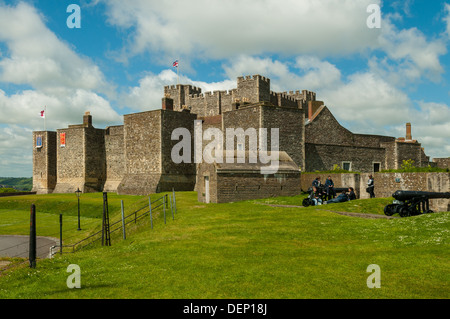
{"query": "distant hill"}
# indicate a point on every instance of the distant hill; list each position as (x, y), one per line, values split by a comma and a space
(21, 184)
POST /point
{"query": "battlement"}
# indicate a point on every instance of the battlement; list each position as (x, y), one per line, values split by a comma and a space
(250, 89)
(283, 95)
(252, 78)
(189, 89)
(308, 95)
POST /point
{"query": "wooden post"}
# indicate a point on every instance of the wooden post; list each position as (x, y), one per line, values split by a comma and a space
(123, 221)
(106, 235)
(32, 250)
(150, 206)
(174, 201)
(60, 233)
(164, 207)
(171, 207)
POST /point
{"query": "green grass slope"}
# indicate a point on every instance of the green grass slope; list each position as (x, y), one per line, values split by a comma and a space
(239, 250)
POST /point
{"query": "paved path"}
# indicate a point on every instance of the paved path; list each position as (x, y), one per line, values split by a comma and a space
(18, 246)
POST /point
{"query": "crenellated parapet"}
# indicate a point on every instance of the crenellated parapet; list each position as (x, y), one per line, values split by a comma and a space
(250, 89)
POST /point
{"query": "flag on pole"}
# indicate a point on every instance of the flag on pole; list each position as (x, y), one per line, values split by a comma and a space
(175, 65)
(43, 115)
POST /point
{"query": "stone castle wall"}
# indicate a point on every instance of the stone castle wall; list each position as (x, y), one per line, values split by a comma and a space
(238, 187)
(442, 162)
(142, 145)
(71, 164)
(135, 158)
(44, 163)
(115, 157)
(290, 122)
(388, 183)
(148, 144)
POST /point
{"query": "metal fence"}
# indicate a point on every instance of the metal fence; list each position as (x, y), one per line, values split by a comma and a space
(165, 205)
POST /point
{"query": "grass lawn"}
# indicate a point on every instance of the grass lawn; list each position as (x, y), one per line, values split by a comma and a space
(237, 250)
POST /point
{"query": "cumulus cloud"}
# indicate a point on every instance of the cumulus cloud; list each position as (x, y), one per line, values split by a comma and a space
(431, 126)
(447, 18)
(38, 58)
(14, 161)
(59, 78)
(223, 29)
(147, 96)
(408, 55)
(54, 76)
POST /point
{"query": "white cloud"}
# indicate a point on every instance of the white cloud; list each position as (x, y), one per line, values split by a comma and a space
(148, 95)
(447, 18)
(57, 77)
(409, 55)
(15, 151)
(38, 58)
(65, 82)
(223, 29)
(368, 102)
(431, 127)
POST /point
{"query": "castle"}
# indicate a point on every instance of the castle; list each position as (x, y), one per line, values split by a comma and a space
(135, 158)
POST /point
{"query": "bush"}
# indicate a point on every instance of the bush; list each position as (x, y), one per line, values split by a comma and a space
(7, 190)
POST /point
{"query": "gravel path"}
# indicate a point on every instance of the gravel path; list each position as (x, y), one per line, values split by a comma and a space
(360, 215)
(18, 246)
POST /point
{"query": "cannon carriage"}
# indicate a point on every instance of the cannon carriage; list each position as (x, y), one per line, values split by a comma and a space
(412, 203)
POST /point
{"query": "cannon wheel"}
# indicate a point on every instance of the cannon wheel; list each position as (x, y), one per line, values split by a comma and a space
(429, 212)
(388, 210)
(306, 202)
(404, 212)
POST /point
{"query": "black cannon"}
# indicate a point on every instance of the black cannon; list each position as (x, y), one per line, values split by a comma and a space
(412, 203)
(322, 194)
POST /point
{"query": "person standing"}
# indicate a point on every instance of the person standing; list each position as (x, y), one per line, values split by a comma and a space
(371, 187)
(329, 186)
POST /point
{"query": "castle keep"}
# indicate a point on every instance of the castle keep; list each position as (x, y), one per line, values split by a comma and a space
(136, 157)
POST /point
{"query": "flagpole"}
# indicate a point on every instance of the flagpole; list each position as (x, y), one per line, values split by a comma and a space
(45, 118)
(178, 70)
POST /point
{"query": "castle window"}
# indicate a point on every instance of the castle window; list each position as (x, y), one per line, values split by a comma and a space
(240, 147)
(39, 142)
(376, 167)
(347, 166)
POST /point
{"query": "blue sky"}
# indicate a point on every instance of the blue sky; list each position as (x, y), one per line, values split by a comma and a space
(373, 80)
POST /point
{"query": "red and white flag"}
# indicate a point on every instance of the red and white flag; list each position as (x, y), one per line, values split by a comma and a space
(42, 114)
(175, 64)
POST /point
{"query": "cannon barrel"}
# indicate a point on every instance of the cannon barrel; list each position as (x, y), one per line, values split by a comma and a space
(408, 195)
(412, 203)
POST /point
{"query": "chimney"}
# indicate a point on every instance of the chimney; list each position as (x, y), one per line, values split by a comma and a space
(408, 132)
(167, 103)
(310, 111)
(87, 119)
